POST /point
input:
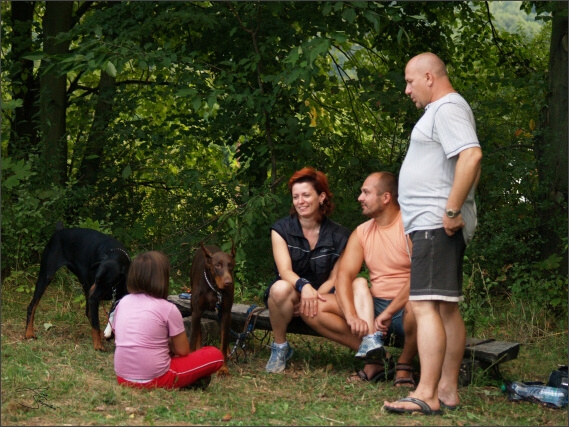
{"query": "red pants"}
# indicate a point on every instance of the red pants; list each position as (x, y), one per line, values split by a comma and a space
(184, 370)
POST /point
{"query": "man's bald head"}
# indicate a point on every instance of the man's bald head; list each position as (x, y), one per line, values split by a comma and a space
(429, 62)
(427, 79)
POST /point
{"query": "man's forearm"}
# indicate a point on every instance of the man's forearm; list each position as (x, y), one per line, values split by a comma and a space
(467, 172)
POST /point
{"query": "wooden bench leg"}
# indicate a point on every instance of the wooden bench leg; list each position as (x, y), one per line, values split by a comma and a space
(467, 370)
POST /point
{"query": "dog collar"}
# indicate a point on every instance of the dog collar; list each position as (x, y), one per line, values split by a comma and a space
(212, 288)
(119, 249)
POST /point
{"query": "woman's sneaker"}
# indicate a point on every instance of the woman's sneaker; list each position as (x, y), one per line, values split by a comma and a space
(279, 357)
(371, 347)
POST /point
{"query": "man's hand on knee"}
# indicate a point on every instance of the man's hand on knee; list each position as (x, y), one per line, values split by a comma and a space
(358, 326)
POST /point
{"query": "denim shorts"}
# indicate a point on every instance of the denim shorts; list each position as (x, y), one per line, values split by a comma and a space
(436, 265)
(395, 330)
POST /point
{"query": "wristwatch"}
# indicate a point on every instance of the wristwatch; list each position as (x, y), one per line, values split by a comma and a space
(451, 213)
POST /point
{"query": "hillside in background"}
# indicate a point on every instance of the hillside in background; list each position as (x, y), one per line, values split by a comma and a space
(508, 16)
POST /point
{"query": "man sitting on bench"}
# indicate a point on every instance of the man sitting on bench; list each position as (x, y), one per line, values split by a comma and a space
(347, 316)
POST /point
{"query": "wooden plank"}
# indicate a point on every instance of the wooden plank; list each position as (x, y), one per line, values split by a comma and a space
(183, 305)
(210, 330)
(489, 352)
(239, 317)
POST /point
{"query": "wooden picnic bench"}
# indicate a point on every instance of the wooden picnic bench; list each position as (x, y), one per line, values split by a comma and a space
(487, 354)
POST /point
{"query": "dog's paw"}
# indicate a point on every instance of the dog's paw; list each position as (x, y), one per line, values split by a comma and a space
(223, 371)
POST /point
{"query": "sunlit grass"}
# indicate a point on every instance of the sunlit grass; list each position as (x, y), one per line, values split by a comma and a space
(58, 378)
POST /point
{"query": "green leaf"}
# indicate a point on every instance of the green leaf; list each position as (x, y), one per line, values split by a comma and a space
(126, 172)
(186, 92)
(293, 56)
(11, 104)
(373, 18)
(349, 15)
(110, 69)
(34, 56)
(318, 46)
(339, 36)
(10, 182)
(196, 103)
(360, 4)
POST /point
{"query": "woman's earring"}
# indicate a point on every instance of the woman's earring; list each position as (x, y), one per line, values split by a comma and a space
(321, 203)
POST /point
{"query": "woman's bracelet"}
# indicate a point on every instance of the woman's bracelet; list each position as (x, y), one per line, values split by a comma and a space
(300, 284)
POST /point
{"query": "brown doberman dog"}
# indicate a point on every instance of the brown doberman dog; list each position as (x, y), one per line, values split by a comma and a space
(212, 288)
(99, 261)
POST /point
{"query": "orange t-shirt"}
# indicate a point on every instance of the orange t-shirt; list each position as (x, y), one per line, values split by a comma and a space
(386, 256)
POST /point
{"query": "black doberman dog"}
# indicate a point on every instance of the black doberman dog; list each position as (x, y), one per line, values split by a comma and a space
(212, 288)
(99, 261)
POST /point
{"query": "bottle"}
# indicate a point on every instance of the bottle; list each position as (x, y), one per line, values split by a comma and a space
(552, 395)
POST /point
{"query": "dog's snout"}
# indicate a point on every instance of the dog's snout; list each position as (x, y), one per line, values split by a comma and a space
(224, 281)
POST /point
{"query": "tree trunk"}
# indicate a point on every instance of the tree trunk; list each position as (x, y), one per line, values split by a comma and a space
(551, 147)
(24, 135)
(97, 136)
(53, 99)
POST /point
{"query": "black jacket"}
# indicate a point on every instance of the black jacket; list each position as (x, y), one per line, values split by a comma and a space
(313, 265)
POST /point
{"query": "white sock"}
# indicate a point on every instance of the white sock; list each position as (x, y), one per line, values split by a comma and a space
(283, 345)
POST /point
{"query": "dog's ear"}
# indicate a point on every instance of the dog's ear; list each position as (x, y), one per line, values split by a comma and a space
(205, 251)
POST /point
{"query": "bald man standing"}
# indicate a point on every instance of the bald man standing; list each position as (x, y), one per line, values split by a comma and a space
(436, 194)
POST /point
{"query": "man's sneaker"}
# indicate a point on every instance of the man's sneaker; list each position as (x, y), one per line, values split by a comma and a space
(371, 347)
(278, 359)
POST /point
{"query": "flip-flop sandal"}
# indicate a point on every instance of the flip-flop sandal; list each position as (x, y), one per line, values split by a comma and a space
(383, 374)
(404, 380)
(448, 407)
(360, 375)
(423, 407)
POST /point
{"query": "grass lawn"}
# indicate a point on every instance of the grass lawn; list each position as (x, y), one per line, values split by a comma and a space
(58, 379)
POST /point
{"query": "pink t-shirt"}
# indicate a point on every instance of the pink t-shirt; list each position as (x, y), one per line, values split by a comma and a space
(142, 326)
(386, 256)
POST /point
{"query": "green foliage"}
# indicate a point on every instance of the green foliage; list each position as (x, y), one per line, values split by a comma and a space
(536, 293)
(15, 173)
(477, 306)
(29, 214)
(539, 284)
(96, 225)
(20, 279)
(192, 116)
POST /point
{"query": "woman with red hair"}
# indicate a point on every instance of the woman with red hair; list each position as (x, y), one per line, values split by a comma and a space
(306, 245)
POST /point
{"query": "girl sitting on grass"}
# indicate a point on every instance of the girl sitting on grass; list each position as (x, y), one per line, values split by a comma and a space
(152, 348)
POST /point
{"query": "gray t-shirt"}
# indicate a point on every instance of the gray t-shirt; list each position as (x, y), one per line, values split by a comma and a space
(446, 128)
